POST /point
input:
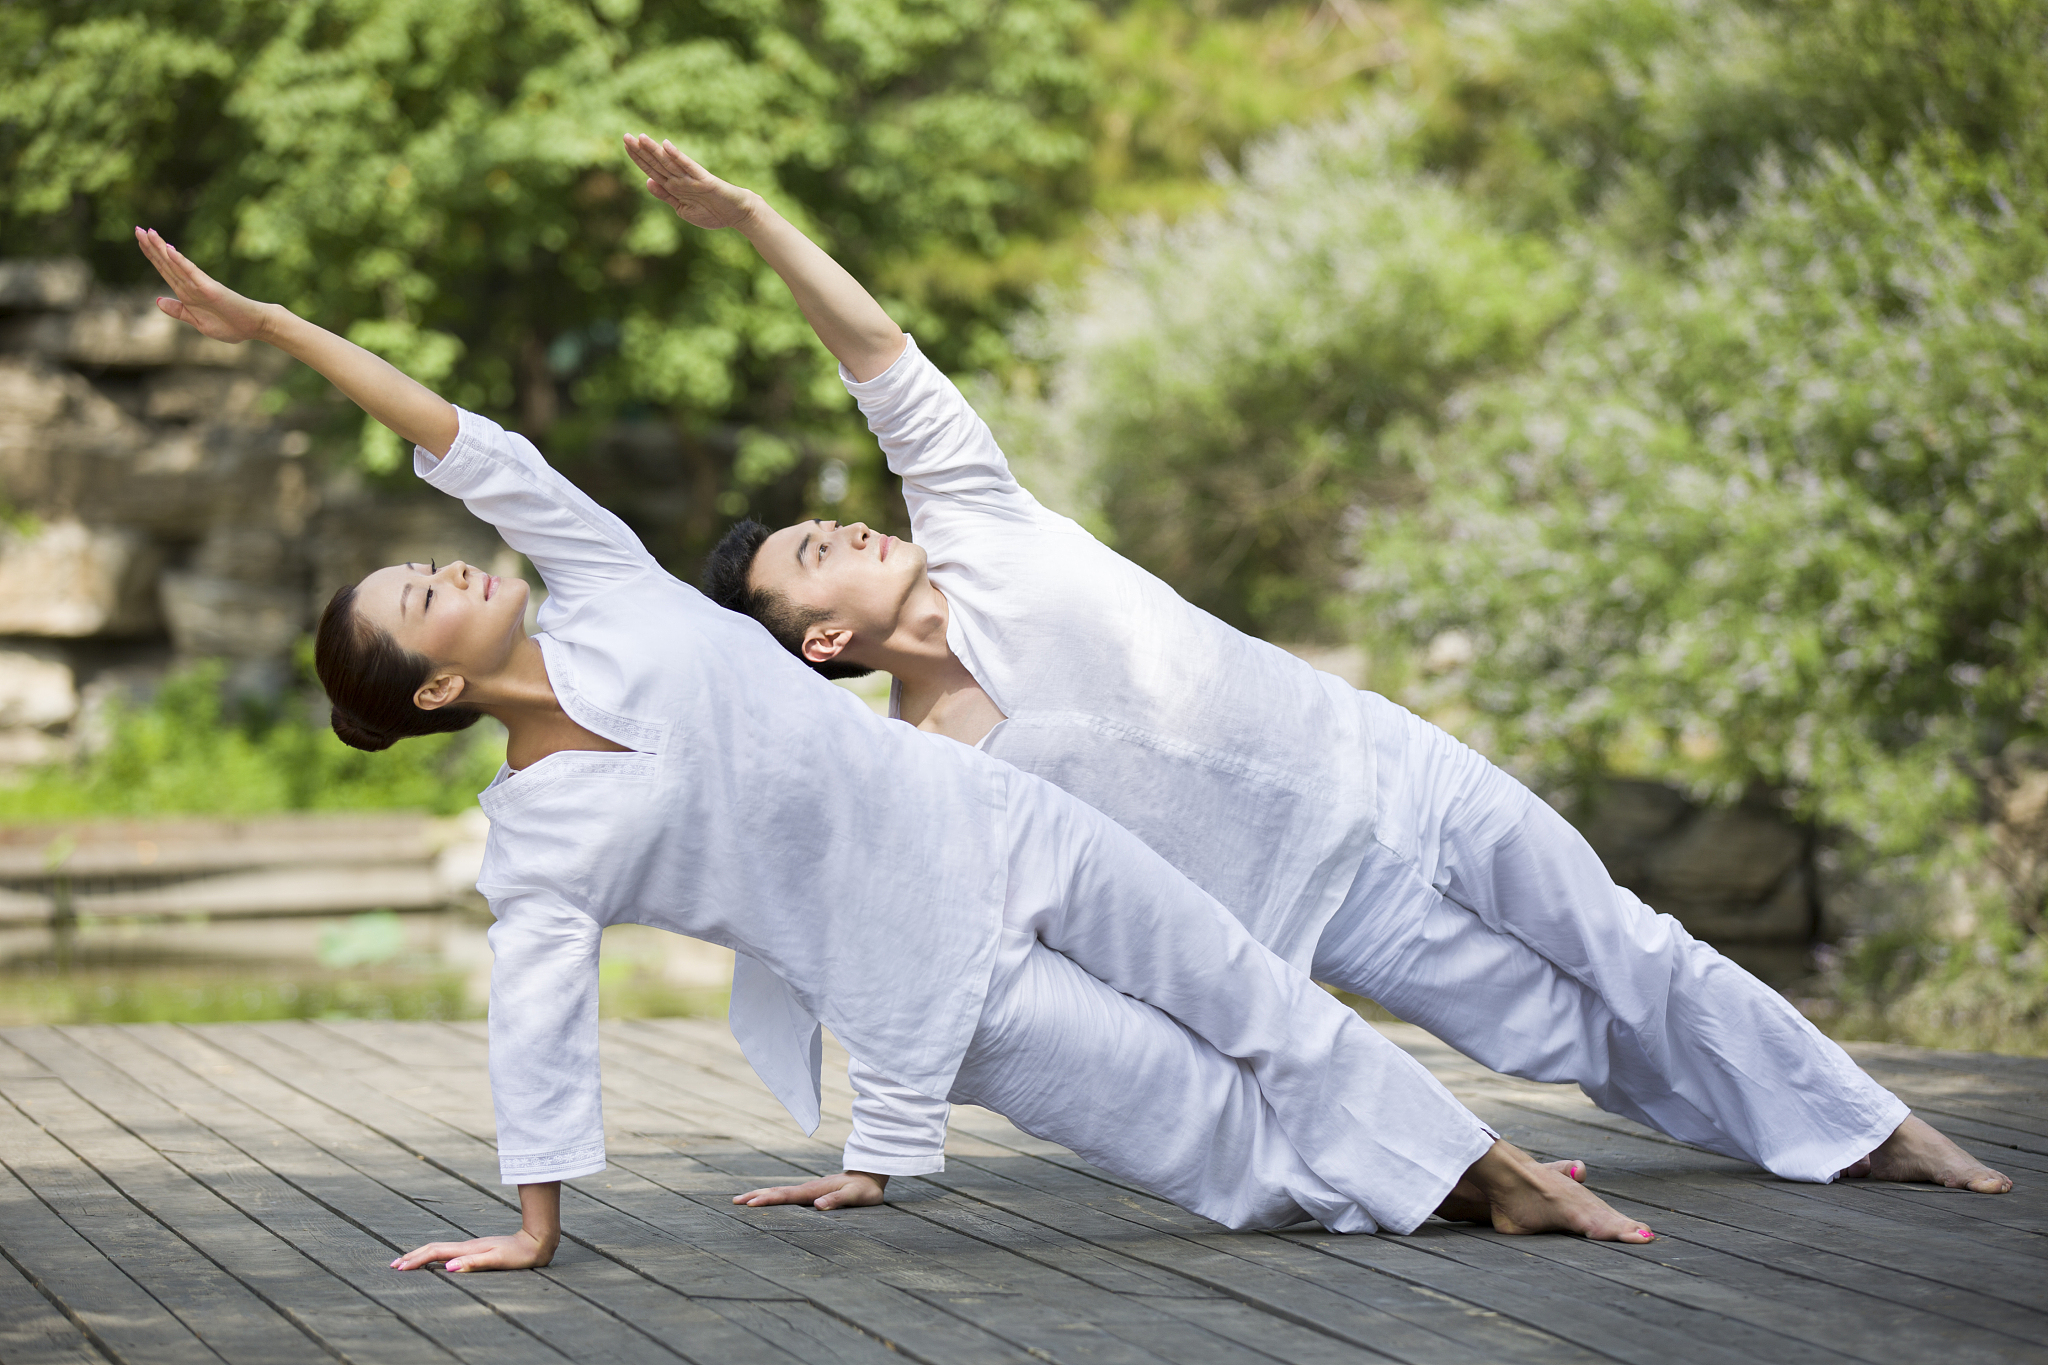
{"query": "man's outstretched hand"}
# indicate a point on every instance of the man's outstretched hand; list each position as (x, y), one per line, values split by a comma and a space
(847, 1190)
(698, 196)
(212, 307)
(520, 1251)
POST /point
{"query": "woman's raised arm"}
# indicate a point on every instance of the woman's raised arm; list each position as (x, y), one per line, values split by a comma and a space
(844, 315)
(374, 384)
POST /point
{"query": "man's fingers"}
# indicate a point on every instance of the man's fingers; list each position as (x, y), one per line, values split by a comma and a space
(784, 1194)
(435, 1251)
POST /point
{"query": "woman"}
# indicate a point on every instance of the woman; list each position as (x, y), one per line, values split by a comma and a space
(1355, 840)
(668, 764)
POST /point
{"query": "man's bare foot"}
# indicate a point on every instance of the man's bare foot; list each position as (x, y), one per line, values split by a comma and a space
(1524, 1195)
(1466, 1204)
(1918, 1152)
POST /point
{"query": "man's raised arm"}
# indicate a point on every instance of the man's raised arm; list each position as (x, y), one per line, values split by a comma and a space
(844, 315)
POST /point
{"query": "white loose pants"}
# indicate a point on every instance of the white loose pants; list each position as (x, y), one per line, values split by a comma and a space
(1481, 915)
(1131, 1019)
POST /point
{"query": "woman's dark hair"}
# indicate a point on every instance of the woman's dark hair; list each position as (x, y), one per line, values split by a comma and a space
(370, 679)
(726, 583)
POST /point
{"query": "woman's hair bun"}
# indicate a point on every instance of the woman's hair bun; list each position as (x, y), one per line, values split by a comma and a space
(357, 735)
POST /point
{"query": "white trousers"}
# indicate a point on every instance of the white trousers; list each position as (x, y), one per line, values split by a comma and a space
(1133, 1020)
(1481, 915)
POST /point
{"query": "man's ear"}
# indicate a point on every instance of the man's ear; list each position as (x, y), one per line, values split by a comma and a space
(823, 644)
(438, 691)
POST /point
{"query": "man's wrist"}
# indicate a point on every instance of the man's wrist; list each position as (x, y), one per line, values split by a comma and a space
(880, 1180)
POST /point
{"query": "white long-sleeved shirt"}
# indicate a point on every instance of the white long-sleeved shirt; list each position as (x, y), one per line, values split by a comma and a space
(1244, 767)
(759, 808)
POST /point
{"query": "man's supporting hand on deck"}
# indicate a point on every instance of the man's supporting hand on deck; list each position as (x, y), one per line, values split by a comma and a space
(846, 1190)
(540, 1232)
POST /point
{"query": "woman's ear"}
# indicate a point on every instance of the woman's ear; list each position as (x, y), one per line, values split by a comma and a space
(823, 644)
(438, 691)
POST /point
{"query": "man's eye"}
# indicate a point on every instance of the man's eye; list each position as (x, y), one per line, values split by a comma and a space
(428, 603)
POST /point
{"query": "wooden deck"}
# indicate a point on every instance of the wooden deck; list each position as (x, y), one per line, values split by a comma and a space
(236, 1192)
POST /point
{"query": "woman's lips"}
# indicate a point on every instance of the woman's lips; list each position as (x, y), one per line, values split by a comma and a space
(887, 541)
(490, 585)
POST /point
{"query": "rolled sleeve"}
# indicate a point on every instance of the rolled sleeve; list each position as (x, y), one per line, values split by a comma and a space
(896, 1130)
(545, 1083)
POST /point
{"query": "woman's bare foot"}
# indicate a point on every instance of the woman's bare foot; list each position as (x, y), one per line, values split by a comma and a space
(1917, 1152)
(1466, 1204)
(1523, 1195)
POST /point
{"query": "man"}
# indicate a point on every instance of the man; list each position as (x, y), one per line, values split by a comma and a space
(1354, 840)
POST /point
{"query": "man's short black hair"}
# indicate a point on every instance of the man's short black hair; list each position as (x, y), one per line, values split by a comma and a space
(726, 576)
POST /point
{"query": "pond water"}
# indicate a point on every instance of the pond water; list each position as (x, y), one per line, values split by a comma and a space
(429, 965)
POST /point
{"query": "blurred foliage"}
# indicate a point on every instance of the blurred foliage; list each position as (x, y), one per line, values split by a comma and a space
(442, 180)
(1684, 363)
(34, 992)
(186, 750)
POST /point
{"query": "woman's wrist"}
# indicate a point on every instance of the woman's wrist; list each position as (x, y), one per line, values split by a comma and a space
(276, 319)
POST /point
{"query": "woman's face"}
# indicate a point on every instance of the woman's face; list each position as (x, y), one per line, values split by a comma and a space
(462, 619)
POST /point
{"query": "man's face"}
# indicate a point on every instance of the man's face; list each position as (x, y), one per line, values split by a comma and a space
(859, 578)
(460, 618)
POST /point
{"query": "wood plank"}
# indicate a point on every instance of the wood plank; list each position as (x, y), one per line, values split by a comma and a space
(118, 1315)
(372, 1196)
(439, 1306)
(1400, 1323)
(1533, 1314)
(362, 1127)
(1025, 1302)
(32, 1330)
(884, 1314)
(233, 1323)
(216, 1199)
(1721, 1218)
(1865, 1327)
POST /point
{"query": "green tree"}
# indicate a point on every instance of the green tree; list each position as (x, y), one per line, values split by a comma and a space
(443, 178)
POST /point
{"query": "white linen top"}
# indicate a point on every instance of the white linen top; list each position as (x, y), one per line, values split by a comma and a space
(856, 865)
(1240, 764)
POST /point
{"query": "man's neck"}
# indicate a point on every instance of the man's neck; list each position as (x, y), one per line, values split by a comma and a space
(935, 690)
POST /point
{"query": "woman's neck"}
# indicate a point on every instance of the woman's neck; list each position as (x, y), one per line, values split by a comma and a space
(522, 696)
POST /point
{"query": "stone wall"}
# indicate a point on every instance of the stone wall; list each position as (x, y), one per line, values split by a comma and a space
(155, 512)
(1740, 877)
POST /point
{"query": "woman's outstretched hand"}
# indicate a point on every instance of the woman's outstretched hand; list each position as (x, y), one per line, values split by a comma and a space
(698, 197)
(212, 307)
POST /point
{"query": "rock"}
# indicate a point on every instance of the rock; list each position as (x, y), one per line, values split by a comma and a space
(37, 688)
(67, 580)
(213, 616)
(1348, 662)
(124, 332)
(183, 394)
(62, 282)
(1734, 855)
(31, 749)
(1733, 876)
(1452, 650)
